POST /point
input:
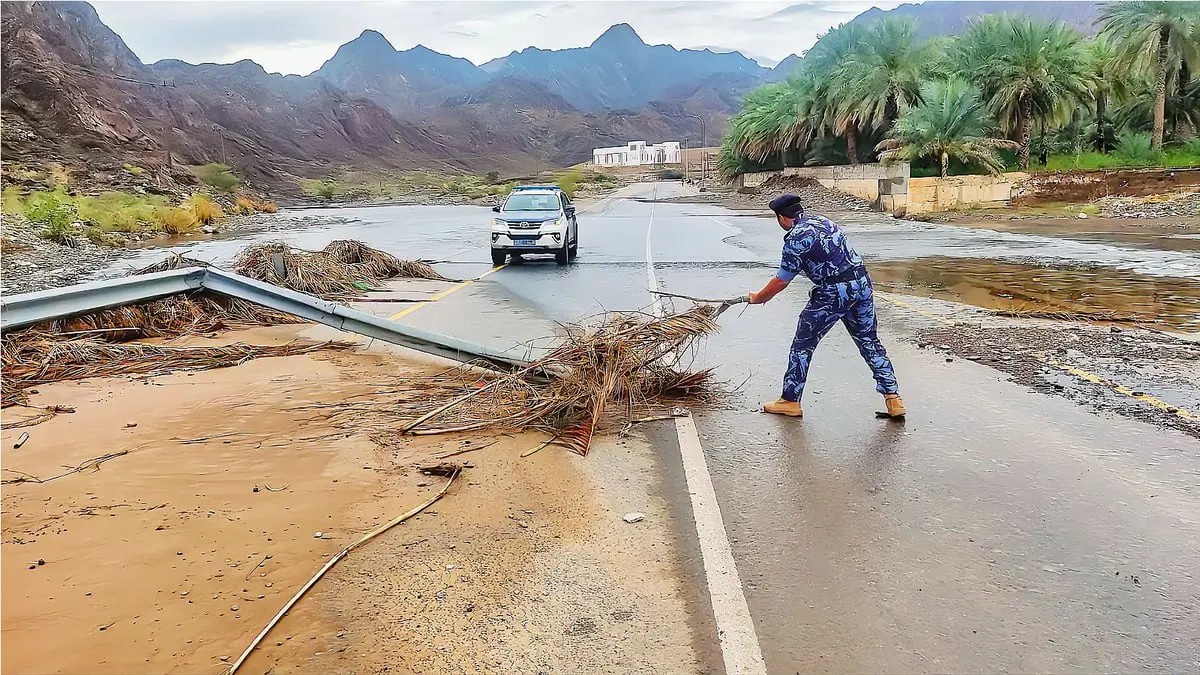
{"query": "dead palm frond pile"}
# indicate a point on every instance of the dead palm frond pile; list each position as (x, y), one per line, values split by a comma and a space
(379, 264)
(167, 317)
(31, 358)
(609, 375)
(345, 269)
(172, 262)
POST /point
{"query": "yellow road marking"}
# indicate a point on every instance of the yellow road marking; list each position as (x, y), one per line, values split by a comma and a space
(453, 289)
(1077, 372)
(1120, 388)
(940, 319)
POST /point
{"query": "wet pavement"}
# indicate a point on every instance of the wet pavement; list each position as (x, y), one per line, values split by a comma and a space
(996, 529)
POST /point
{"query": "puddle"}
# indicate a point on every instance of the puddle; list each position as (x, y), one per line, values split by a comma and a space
(1172, 303)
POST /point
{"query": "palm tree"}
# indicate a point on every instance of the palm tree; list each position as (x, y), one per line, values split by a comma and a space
(1158, 37)
(821, 64)
(881, 74)
(951, 121)
(771, 121)
(1026, 70)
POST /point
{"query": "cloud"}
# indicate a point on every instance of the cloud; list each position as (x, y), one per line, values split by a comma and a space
(297, 37)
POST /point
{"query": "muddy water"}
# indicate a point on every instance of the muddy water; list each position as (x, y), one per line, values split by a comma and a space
(1166, 234)
(1147, 270)
(1169, 302)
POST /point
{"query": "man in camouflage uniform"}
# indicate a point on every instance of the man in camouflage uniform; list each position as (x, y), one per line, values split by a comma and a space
(816, 247)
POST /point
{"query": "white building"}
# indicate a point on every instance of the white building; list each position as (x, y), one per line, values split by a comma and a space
(637, 153)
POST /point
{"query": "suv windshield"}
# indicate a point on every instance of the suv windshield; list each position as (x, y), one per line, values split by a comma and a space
(524, 201)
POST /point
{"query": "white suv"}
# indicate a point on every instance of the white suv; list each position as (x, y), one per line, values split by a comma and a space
(535, 219)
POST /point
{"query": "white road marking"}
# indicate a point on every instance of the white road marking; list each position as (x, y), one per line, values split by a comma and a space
(735, 626)
(651, 278)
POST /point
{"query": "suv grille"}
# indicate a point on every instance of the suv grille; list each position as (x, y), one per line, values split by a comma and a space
(524, 226)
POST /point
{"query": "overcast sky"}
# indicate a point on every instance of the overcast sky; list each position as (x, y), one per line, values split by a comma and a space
(297, 37)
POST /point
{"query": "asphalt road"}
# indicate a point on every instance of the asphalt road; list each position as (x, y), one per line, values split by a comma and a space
(996, 529)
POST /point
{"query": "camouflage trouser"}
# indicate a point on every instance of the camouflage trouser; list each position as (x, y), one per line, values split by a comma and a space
(851, 302)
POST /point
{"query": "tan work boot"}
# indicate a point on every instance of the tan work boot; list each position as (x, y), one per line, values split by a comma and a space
(895, 405)
(784, 407)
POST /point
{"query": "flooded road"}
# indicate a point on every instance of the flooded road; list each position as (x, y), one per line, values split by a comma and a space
(995, 529)
(1072, 269)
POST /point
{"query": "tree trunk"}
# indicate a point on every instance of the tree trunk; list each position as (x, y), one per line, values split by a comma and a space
(945, 164)
(1185, 78)
(1160, 88)
(1101, 110)
(891, 111)
(852, 143)
(1025, 130)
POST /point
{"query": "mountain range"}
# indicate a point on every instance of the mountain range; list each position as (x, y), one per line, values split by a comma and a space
(74, 92)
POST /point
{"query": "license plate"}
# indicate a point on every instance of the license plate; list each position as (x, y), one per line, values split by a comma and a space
(524, 241)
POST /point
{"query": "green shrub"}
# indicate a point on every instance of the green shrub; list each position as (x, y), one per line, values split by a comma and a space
(217, 176)
(56, 214)
(326, 189)
(1191, 146)
(1137, 149)
(134, 170)
(670, 174)
(493, 177)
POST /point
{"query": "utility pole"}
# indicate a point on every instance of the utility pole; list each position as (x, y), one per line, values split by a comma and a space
(703, 144)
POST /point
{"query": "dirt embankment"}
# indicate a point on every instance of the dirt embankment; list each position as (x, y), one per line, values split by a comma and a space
(816, 197)
(173, 556)
(1085, 186)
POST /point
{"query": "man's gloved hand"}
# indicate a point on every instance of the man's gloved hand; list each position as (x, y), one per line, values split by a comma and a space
(754, 298)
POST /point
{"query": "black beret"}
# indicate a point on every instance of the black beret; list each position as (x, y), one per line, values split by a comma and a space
(787, 205)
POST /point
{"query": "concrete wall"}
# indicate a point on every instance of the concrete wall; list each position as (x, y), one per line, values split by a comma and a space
(860, 177)
(942, 194)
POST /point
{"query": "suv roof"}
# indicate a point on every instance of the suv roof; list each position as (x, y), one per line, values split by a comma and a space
(540, 188)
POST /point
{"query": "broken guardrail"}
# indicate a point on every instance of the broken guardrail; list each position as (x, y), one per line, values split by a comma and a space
(26, 309)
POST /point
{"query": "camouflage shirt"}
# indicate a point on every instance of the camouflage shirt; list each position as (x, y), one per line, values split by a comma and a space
(816, 248)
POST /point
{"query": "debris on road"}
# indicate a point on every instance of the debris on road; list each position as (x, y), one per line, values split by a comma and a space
(635, 517)
(344, 269)
(623, 368)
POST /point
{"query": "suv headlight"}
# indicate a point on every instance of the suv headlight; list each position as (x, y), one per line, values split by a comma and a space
(496, 222)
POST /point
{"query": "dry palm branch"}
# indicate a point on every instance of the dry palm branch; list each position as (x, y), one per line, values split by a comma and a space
(344, 270)
(605, 374)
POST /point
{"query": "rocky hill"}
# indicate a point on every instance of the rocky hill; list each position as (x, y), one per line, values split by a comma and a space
(619, 70)
(74, 93)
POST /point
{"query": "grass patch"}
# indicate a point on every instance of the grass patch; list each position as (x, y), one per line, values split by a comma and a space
(107, 214)
(134, 171)
(203, 208)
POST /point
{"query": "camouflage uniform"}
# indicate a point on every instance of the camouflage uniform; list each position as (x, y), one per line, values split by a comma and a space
(817, 248)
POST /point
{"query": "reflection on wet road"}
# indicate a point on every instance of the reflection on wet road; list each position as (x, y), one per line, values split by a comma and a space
(996, 529)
